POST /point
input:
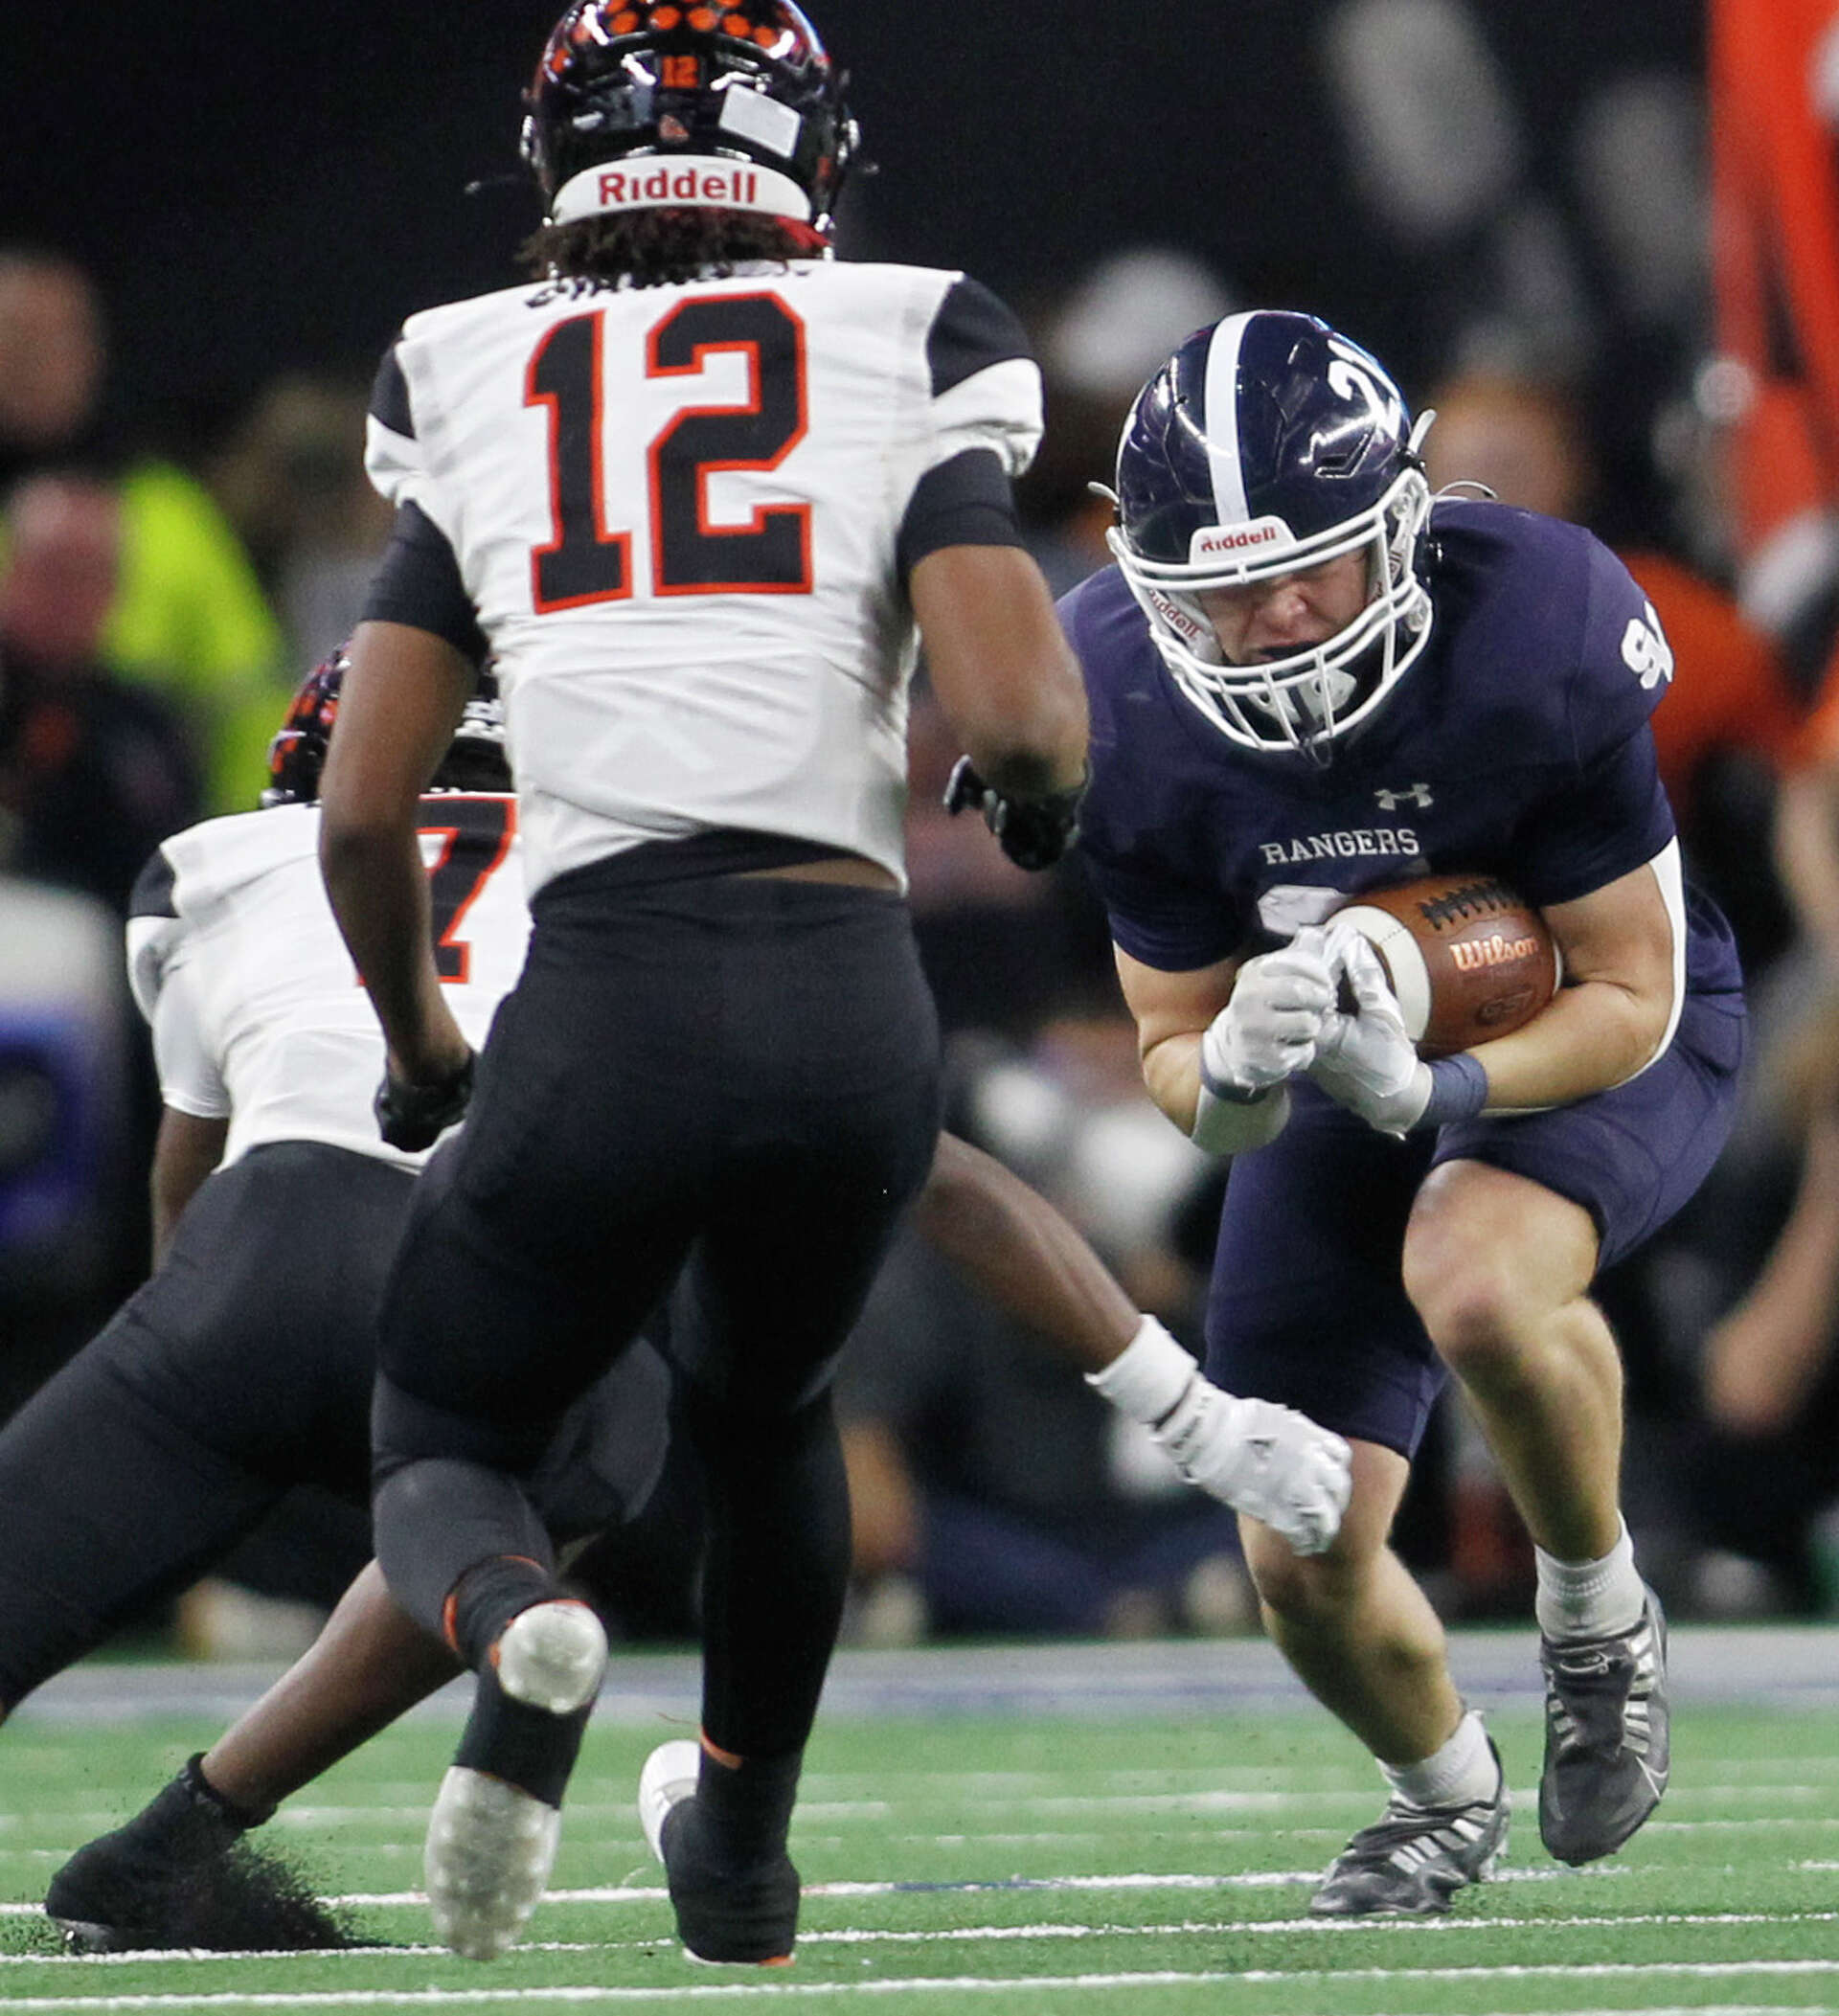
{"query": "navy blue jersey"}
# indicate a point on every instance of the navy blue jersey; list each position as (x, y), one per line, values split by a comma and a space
(1517, 745)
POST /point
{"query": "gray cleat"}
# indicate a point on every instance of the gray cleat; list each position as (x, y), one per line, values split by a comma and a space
(1414, 1859)
(1607, 1750)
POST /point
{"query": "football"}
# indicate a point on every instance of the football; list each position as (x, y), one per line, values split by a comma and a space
(1468, 959)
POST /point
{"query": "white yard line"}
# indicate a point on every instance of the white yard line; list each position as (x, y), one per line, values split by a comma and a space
(858, 1935)
(427, 1998)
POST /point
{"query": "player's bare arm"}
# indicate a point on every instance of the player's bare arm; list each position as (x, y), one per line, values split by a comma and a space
(1014, 1248)
(1219, 1043)
(1172, 1011)
(1612, 1015)
(185, 1152)
(1004, 674)
(403, 698)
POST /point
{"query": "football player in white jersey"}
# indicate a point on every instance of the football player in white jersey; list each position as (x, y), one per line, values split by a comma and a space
(697, 490)
(245, 1366)
(242, 1368)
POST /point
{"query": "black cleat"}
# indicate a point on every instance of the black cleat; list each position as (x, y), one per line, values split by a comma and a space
(179, 1875)
(1414, 1859)
(748, 1916)
(1607, 1745)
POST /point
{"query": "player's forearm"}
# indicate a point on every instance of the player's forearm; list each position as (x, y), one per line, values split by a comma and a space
(1001, 669)
(1171, 1076)
(380, 895)
(1592, 1036)
(185, 1152)
(1020, 1253)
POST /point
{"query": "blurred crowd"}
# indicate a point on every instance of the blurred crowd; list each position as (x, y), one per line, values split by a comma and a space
(1635, 325)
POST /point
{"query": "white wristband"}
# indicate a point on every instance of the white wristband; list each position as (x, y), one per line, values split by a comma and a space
(1148, 1377)
(1228, 1127)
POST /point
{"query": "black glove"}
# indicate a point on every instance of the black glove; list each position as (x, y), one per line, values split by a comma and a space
(1033, 832)
(413, 1116)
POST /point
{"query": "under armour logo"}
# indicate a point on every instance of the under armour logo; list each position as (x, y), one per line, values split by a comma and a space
(1417, 795)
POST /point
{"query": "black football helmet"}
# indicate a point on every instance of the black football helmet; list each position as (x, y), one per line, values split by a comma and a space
(475, 759)
(1268, 443)
(642, 103)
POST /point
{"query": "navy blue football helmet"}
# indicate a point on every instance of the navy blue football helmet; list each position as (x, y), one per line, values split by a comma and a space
(642, 103)
(475, 760)
(1267, 444)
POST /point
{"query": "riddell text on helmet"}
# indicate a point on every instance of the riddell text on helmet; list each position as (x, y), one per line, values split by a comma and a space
(679, 185)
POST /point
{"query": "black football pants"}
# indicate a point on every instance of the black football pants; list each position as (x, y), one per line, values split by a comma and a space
(737, 1076)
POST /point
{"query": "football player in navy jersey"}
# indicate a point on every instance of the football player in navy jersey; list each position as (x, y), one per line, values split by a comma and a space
(697, 488)
(1309, 677)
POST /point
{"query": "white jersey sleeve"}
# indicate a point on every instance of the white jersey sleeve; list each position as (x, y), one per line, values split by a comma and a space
(985, 388)
(678, 512)
(189, 1080)
(256, 1011)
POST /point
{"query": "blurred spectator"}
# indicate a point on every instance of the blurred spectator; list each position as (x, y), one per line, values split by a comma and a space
(1730, 721)
(1103, 338)
(188, 616)
(1774, 95)
(292, 480)
(64, 1021)
(1807, 844)
(93, 774)
(1764, 1475)
(1534, 183)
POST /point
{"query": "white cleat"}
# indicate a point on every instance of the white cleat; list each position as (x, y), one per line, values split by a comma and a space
(489, 1850)
(491, 1845)
(668, 1779)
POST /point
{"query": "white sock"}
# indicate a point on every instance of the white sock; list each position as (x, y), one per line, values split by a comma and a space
(1590, 1598)
(1461, 1773)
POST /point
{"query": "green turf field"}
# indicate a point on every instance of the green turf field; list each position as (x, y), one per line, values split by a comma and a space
(1013, 1863)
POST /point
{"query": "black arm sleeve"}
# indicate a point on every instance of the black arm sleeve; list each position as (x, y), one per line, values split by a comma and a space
(964, 502)
(418, 582)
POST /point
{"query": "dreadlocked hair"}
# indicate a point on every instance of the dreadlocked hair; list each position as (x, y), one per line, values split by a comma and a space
(656, 248)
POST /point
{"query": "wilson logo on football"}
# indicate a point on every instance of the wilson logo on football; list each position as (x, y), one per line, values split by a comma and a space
(1474, 955)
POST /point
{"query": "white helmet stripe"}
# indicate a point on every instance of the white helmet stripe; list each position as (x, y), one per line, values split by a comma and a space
(1222, 419)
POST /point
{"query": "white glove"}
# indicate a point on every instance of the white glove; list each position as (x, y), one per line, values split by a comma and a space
(1267, 1031)
(1268, 1462)
(1365, 1061)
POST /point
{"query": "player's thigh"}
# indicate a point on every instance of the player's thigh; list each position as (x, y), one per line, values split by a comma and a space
(837, 1089)
(1632, 1156)
(1308, 1305)
(745, 1063)
(256, 1335)
(1488, 1250)
(107, 1504)
(488, 1341)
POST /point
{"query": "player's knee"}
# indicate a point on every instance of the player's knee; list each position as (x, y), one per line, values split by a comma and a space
(1299, 1588)
(1473, 1313)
